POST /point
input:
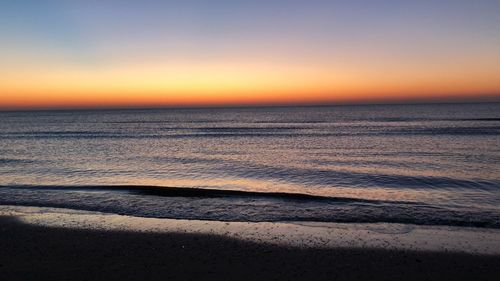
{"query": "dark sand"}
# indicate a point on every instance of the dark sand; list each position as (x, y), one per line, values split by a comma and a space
(30, 252)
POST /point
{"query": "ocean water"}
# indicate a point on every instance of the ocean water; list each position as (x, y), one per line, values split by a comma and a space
(417, 164)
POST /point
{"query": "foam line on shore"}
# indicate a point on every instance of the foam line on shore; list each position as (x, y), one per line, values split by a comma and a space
(301, 234)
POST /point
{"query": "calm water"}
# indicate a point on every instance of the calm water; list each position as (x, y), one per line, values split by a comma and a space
(421, 164)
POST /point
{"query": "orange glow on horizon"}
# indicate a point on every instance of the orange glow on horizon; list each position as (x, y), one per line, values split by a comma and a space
(150, 99)
(231, 84)
(175, 53)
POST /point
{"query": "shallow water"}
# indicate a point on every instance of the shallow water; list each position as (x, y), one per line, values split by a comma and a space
(422, 164)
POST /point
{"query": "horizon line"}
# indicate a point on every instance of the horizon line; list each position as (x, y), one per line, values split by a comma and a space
(482, 100)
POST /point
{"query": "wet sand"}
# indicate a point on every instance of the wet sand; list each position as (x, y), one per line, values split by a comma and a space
(61, 244)
(296, 234)
(50, 251)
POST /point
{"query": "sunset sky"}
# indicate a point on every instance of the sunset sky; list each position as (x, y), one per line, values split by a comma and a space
(159, 53)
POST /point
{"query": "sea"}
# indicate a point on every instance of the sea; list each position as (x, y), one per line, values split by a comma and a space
(422, 164)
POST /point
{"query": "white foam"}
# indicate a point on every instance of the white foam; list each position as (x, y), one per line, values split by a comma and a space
(301, 234)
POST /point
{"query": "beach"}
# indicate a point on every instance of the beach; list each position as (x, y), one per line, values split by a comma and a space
(249, 140)
(58, 244)
(282, 193)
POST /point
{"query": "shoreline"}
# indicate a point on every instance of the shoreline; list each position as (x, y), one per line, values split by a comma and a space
(468, 240)
(77, 246)
(61, 244)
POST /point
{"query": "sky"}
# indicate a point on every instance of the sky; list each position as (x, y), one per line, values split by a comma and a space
(90, 53)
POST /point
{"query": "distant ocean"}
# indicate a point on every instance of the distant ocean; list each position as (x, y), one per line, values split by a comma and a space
(416, 164)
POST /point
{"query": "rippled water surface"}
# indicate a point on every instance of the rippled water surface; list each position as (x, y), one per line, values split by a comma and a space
(424, 164)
